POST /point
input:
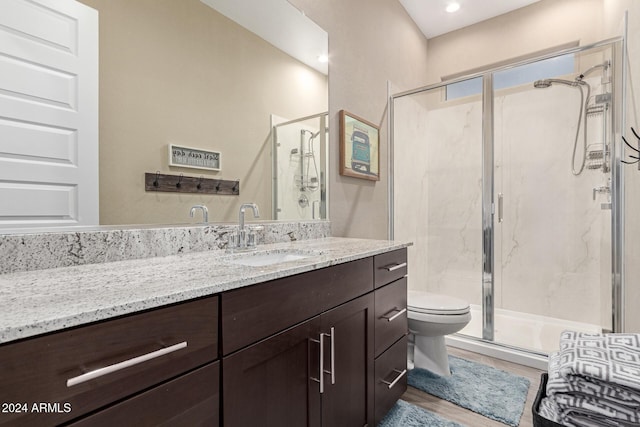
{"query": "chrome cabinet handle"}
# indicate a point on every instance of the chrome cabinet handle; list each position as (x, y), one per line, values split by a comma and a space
(500, 207)
(323, 371)
(395, 316)
(124, 364)
(395, 381)
(320, 378)
(333, 355)
(395, 267)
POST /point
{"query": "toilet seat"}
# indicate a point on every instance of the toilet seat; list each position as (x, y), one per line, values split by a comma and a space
(436, 304)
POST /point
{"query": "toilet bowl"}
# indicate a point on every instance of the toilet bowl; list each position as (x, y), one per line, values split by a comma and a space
(431, 317)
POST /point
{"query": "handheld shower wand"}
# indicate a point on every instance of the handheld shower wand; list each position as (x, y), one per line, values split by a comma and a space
(578, 83)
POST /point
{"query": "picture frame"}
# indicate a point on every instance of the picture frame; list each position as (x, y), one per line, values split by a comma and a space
(196, 158)
(359, 147)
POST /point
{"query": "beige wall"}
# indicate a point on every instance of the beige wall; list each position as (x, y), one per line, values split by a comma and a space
(371, 42)
(178, 72)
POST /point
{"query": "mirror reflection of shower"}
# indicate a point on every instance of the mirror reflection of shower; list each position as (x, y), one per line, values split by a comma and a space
(308, 179)
(299, 167)
(596, 154)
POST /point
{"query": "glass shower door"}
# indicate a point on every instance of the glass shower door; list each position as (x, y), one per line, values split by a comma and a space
(552, 225)
(437, 169)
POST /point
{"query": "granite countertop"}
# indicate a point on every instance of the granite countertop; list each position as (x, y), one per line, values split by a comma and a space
(41, 301)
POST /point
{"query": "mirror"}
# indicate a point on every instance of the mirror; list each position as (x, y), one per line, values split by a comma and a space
(179, 72)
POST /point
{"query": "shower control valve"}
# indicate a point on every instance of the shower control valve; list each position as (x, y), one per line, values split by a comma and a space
(602, 189)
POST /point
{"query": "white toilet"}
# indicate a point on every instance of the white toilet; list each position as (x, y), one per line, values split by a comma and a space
(431, 317)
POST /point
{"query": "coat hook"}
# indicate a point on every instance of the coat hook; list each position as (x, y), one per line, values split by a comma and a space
(236, 186)
(179, 183)
(218, 186)
(199, 186)
(156, 183)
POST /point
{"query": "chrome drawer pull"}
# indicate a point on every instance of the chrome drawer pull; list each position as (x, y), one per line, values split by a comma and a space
(125, 364)
(395, 267)
(395, 316)
(400, 375)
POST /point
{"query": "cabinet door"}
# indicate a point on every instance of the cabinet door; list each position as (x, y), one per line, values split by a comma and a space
(272, 383)
(348, 393)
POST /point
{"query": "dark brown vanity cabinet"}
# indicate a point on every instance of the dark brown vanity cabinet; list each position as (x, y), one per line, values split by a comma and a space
(316, 373)
(322, 348)
(391, 330)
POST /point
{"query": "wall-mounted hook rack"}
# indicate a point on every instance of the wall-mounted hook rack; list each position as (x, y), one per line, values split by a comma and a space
(190, 184)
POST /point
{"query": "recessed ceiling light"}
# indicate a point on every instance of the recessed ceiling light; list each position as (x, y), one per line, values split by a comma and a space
(453, 7)
(323, 58)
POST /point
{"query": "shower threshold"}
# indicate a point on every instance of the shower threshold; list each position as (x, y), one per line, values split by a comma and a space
(519, 337)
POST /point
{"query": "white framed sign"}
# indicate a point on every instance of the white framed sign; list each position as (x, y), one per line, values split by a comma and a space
(197, 158)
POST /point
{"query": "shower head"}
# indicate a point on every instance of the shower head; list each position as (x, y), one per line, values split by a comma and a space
(541, 84)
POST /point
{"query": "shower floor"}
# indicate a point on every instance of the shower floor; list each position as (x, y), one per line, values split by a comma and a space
(526, 331)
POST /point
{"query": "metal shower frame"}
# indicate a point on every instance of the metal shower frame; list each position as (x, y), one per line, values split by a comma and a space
(489, 206)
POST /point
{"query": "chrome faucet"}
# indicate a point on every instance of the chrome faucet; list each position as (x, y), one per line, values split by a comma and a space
(205, 212)
(243, 207)
(243, 240)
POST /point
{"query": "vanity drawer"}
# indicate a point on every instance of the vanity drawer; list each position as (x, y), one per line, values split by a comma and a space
(255, 312)
(391, 378)
(390, 266)
(134, 352)
(190, 400)
(390, 314)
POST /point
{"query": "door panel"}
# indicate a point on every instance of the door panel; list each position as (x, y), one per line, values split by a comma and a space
(48, 113)
(271, 383)
(348, 401)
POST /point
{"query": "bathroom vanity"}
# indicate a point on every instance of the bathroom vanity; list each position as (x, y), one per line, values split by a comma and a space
(313, 339)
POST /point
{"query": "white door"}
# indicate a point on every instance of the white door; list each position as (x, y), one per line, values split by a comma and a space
(48, 113)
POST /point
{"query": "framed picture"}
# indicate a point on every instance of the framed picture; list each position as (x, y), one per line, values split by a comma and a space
(359, 147)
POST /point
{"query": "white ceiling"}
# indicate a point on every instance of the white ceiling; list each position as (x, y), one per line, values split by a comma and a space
(280, 24)
(433, 20)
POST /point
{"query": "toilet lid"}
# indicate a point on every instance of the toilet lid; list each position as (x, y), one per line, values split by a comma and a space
(429, 303)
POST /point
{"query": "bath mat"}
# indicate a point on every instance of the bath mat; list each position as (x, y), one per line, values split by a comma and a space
(405, 414)
(491, 392)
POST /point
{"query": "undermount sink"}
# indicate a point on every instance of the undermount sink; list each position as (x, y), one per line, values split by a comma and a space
(262, 259)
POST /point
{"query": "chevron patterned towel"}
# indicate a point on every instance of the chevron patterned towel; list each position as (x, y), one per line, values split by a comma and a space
(594, 380)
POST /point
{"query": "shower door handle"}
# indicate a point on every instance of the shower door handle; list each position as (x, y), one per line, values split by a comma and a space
(500, 207)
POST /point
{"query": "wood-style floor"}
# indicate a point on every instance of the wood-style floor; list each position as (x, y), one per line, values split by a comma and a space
(464, 416)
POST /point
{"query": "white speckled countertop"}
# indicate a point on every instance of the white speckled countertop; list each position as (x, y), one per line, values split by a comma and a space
(41, 301)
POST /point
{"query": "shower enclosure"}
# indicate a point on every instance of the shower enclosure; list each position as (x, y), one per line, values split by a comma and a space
(300, 158)
(508, 183)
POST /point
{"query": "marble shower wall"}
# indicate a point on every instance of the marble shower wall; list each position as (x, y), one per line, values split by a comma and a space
(552, 249)
(25, 252)
(438, 193)
(554, 254)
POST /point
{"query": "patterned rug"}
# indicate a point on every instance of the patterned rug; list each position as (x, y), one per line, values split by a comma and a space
(491, 392)
(405, 414)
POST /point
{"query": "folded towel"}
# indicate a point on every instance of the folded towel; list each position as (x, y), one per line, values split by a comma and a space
(576, 417)
(594, 380)
(609, 392)
(611, 358)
